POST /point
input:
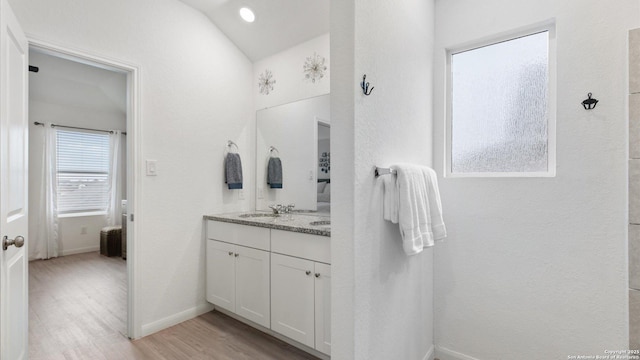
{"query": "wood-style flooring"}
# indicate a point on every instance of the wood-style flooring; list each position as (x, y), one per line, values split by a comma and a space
(77, 310)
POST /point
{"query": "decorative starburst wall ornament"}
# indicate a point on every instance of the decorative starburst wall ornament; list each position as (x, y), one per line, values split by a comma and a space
(265, 82)
(314, 68)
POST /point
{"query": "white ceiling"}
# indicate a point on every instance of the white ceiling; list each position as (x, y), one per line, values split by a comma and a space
(279, 24)
(70, 83)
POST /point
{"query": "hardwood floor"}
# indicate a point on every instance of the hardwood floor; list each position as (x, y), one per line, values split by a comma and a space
(77, 310)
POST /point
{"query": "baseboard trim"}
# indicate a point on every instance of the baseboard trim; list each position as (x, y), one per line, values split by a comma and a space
(430, 354)
(446, 354)
(79, 250)
(148, 329)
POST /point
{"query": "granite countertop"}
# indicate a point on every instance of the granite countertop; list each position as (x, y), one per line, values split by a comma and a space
(297, 221)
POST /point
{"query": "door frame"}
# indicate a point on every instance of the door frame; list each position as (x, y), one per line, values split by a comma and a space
(134, 161)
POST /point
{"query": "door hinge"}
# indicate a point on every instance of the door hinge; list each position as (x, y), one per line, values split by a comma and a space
(131, 217)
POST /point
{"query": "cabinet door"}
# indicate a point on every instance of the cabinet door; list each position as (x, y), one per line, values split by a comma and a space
(323, 307)
(292, 298)
(221, 275)
(252, 285)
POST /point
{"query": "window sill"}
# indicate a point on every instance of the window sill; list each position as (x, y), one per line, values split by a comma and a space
(82, 214)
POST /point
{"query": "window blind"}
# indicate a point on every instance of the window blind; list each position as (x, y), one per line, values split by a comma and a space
(83, 171)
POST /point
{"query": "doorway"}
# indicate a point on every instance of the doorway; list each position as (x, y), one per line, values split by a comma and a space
(92, 103)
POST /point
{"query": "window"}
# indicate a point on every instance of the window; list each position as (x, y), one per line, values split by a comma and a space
(82, 171)
(500, 120)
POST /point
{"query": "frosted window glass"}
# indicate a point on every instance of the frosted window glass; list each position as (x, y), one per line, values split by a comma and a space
(499, 107)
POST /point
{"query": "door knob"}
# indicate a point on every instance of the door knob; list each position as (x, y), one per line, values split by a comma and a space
(317, 275)
(6, 242)
(308, 272)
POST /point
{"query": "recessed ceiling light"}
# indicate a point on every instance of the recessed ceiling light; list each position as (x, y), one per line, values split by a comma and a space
(247, 15)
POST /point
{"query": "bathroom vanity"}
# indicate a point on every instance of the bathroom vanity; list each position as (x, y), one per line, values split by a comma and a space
(274, 273)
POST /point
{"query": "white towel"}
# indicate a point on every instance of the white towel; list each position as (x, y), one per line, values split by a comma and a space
(390, 200)
(419, 208)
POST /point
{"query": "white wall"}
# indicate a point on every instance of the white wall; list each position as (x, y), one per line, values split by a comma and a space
(381, 299)
(287, 69)
(535, 268)
(196, 93)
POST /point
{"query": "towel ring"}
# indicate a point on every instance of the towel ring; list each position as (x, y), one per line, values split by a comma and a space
(231, 143)
(272, 149)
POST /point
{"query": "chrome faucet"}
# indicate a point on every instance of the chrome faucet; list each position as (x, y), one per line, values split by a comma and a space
(281, 209)
(277, 208)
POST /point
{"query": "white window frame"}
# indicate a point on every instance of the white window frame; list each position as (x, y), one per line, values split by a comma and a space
(549, 27)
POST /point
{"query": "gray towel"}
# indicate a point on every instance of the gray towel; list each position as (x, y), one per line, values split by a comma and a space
(274, 173)
(233, 171)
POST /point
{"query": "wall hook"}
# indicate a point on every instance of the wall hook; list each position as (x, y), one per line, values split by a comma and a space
(365, 86)
(590, 103)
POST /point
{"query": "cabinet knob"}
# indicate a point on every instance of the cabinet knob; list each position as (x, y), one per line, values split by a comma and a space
(230, 253)
(308, 272)
(237, 254)
(317, 275)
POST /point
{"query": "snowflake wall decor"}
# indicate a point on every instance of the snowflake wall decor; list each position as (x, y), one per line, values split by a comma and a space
(314, 68)
(265, 82)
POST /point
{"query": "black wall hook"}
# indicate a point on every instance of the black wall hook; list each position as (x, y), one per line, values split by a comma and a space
(365, 86)
(589, 103)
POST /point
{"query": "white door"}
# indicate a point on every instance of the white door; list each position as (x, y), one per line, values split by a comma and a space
(13, 186)
(292, 298)
(252, 285)
(221, 276)
(323, 307)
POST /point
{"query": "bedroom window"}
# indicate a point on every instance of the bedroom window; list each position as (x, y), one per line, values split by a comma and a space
(501, 120)
(82, 160)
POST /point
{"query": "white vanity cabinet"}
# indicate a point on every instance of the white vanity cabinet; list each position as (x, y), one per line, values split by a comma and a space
(238, 276)
(278, 279)
(301, 288)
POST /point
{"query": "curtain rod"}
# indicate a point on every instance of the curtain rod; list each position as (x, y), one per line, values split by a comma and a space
(79, 128)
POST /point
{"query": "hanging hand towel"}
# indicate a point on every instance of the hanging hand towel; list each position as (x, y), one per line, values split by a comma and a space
(419, 208)
(274, 173)
(233, 171)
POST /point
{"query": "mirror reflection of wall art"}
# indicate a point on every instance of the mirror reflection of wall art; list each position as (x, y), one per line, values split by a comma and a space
(324, 162)
(314, 68)
(265, 82)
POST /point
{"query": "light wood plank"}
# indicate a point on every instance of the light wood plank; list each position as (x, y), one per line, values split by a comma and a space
(78, 311)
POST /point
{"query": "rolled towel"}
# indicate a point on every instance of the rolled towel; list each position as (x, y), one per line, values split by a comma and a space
(274, 173)
(233, 171)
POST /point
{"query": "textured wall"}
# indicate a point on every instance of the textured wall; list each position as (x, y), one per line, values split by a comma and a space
(535, 268)
(196, 92)
(382, 299)
(287, 69)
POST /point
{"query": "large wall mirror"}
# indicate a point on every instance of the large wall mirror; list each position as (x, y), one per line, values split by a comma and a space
(298, 135)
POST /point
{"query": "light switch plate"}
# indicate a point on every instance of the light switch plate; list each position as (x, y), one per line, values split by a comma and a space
(152, 167)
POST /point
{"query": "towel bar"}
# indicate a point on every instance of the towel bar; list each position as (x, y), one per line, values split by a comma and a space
(384, 171)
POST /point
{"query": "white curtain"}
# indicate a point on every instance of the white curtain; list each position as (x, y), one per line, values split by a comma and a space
(45, 243)
(114, 211)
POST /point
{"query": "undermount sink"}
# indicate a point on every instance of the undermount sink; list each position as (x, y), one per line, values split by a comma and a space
(320, 223)
(258, 215)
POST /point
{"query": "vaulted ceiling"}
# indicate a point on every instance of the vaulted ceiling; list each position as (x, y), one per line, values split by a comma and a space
(279, 24)
(70, 83)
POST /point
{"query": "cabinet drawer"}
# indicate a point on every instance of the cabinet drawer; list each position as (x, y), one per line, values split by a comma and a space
(312, 247)
(251, 236)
